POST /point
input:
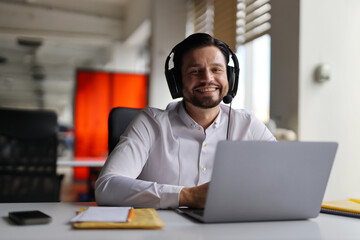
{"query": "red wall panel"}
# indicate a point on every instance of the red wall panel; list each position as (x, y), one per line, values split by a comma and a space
(96, 94)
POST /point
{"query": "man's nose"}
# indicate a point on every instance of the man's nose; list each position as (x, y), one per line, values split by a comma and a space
(207, 75)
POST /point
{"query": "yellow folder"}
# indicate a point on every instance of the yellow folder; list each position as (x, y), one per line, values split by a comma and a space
(143, 218)
(349, 207)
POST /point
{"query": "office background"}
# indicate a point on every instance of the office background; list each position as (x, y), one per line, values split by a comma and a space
(137, 35)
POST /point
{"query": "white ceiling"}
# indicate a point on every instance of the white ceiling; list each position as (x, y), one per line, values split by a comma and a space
(107, 8)
(73, 33)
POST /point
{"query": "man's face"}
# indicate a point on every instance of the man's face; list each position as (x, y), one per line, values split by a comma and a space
(204, 77)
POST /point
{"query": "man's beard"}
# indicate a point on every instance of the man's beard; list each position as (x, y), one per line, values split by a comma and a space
(205, 101)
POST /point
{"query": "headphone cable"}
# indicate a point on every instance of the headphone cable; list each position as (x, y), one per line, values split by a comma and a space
(228, 125)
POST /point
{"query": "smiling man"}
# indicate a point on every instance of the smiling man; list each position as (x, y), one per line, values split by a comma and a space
(165, 157)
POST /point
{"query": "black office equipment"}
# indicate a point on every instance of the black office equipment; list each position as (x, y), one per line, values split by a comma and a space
(29, 217)
(28, 154)
(119, 119)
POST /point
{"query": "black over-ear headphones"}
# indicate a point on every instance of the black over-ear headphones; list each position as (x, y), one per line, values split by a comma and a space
(173, 77)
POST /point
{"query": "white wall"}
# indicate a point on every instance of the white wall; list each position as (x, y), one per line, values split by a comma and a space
(166, 20)
(168, 28)
(330, 33)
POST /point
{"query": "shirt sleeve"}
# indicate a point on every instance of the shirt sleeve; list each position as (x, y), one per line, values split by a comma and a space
(259, 131)
(247, 127)
(117, 183)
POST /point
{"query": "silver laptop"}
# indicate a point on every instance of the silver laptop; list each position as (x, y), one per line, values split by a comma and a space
(267, 181)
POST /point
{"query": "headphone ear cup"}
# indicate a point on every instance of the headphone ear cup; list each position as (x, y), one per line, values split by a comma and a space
(231, 75)
(174, 83)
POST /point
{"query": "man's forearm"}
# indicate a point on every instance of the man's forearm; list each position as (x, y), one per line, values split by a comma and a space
(124, 191)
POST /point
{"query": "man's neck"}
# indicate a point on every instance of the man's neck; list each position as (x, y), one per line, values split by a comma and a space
(203, 116)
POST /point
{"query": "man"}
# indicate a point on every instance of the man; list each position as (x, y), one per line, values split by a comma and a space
(165, 157)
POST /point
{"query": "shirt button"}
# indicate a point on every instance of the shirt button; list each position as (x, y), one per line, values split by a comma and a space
(204, 169)
(199, 129)
(204, 144)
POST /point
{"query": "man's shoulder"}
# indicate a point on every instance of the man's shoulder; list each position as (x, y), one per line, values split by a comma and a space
(159, 113)
(242, 112)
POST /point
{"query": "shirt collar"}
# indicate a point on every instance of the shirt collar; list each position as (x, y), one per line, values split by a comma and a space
(189, 122)
(216, 123)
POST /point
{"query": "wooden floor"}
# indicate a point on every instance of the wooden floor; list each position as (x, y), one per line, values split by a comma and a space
(71, 190)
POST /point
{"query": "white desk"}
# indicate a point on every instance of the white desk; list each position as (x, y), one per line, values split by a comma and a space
(70, 161)
(82, 163)
(176, 227)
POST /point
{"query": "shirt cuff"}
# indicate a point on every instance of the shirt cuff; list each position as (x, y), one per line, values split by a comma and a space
(169, 196)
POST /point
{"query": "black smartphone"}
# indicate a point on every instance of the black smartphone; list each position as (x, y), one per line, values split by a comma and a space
(29, 217)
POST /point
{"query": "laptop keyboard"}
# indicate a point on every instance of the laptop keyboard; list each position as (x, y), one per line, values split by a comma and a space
(199, 212)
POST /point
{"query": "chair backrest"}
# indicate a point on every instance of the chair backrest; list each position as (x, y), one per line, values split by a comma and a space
(28, 138)
(119, 119)
(28, 154)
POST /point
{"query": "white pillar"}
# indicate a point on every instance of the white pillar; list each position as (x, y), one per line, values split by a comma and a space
(168, 28)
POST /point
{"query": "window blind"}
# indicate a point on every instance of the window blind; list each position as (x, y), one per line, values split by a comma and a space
(236, 22)
(225, 13)
(200, 16)
(253, 18)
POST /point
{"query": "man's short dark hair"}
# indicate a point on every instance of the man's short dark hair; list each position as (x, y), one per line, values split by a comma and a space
(197, 40)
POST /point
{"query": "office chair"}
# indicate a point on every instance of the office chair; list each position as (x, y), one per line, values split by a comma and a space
(119, 119)
(28, 154)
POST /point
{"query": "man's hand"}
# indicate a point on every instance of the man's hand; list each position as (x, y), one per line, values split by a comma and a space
(194, 197)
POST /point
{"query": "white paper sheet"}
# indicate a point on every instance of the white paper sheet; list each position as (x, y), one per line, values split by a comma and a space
(103, 214)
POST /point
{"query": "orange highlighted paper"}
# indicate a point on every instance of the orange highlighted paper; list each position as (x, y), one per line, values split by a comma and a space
(348, 208)
(142, 218)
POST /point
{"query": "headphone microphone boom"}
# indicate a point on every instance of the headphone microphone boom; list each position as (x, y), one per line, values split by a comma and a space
(227, 99)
